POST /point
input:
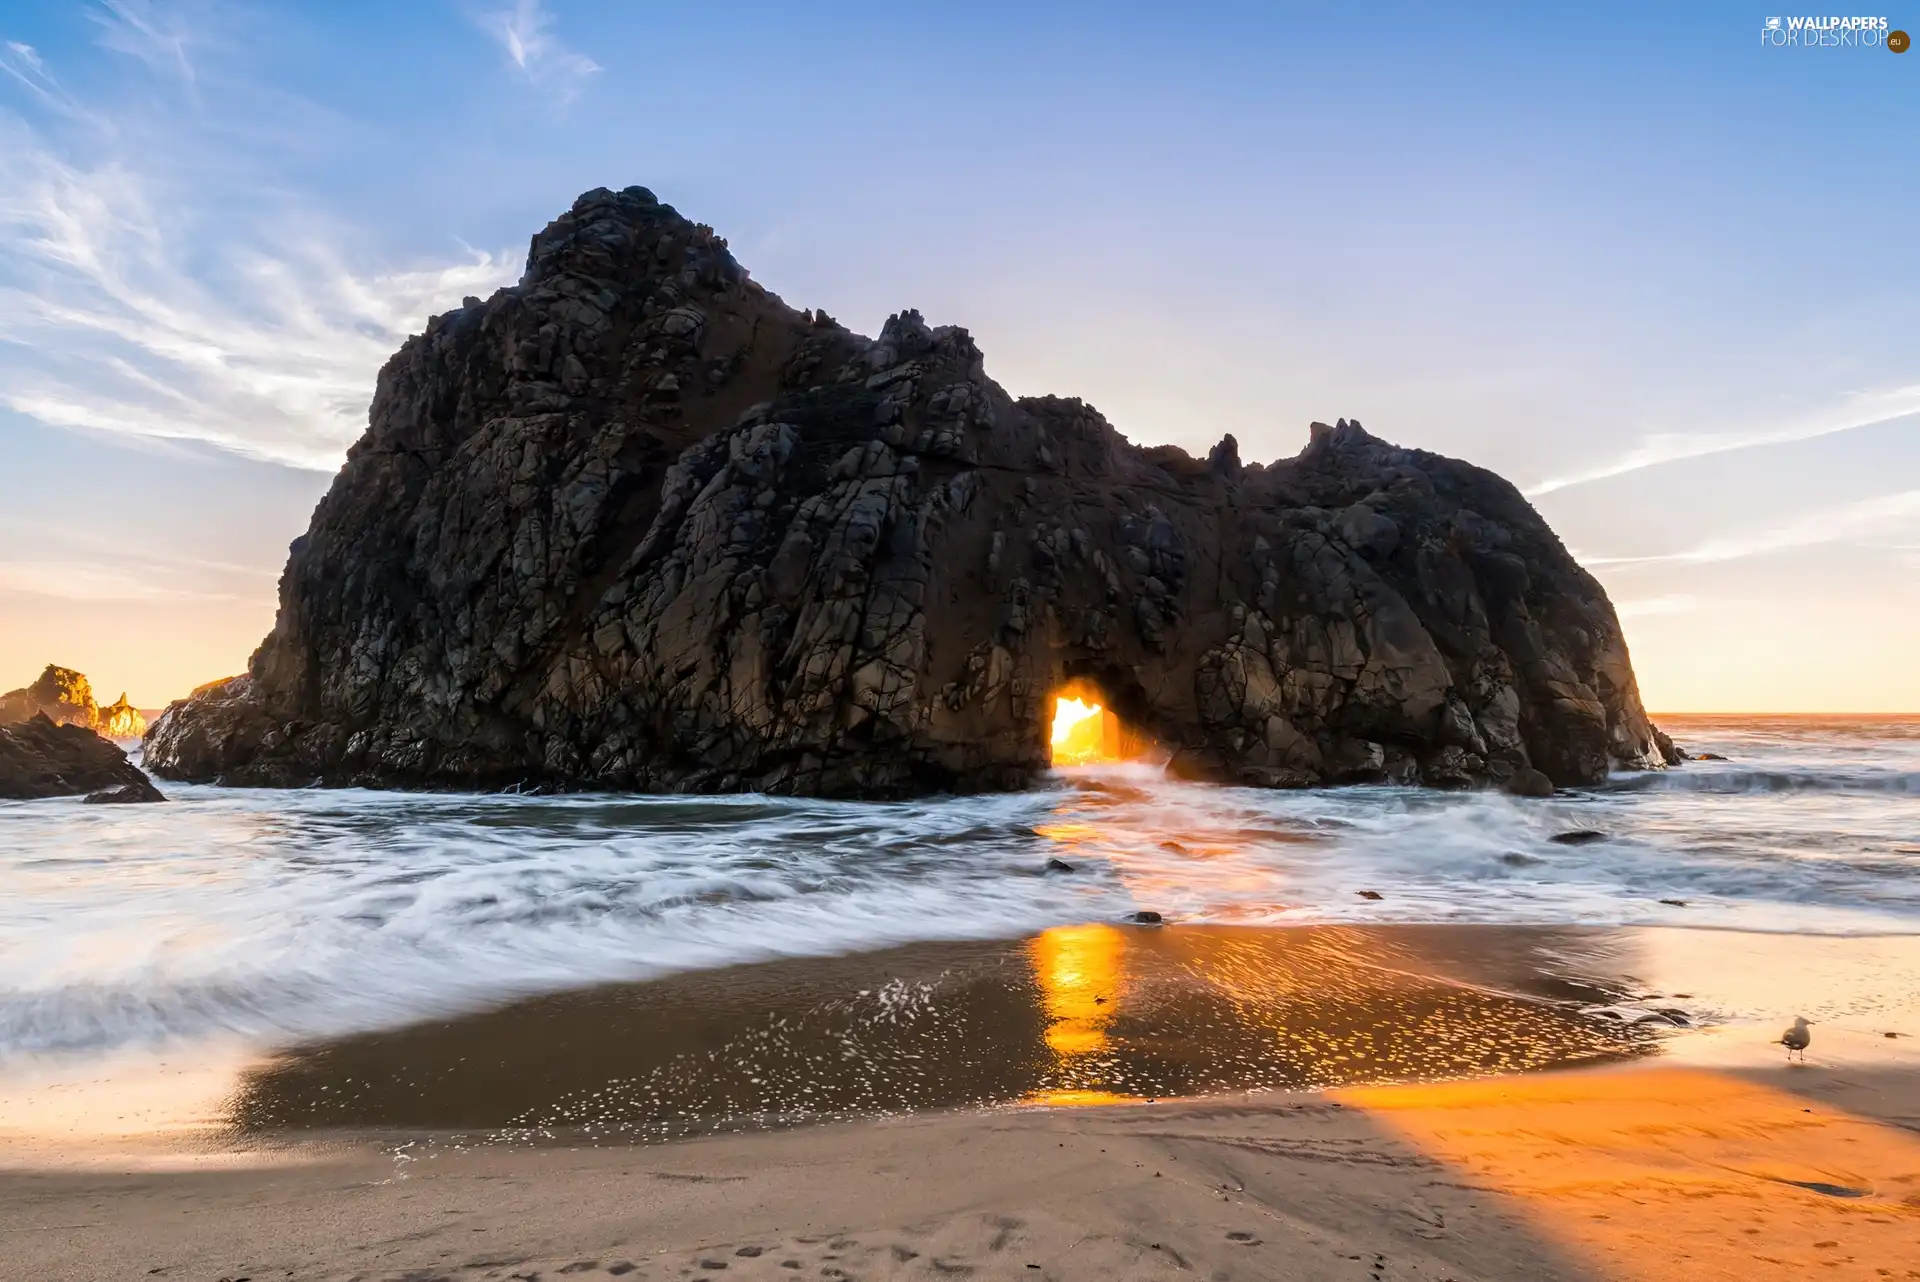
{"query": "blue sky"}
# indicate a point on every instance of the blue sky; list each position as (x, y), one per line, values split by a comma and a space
(1661, 276)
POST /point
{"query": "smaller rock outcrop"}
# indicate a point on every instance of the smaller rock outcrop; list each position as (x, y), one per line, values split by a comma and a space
(125, 794)
(1528, 782)
(121, 720)
(62, 694)
(65, 697)
(42, 758)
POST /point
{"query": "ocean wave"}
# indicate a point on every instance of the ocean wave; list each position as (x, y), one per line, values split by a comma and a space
(288, 915)
(1699, 778)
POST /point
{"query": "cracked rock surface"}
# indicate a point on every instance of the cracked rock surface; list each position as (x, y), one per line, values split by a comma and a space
(635, 523)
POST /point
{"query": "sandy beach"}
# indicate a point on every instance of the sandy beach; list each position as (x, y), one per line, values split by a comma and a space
(1641, 1173)
(1536, 1139)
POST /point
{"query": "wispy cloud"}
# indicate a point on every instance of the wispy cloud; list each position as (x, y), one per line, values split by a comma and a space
(1855, 522)
(23, 64)
(129, 304)
(1861, 409)
(76, 563)
(139, 28)
(1675, 604)
(67, 580)
(524, 31)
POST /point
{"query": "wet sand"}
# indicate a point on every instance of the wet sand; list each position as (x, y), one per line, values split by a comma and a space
(1415, 1102)
(1081, 1014)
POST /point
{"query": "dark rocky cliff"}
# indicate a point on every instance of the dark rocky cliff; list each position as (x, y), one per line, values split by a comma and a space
(635, 523)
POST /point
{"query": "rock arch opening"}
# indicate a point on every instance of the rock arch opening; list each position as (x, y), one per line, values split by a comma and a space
(1085, 731)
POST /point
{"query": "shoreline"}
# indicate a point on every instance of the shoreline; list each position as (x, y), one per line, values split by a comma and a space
(1089, 1012)
(1084, 1014)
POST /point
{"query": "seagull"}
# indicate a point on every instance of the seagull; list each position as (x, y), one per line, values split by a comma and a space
(1797, 1037)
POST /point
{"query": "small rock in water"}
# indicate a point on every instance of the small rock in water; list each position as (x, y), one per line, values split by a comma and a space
(125, 794)
(1641, 1015)
(1578, 837)
(1370, 894)
(1059, 865)
(1146, 917)
(1674, 903)
(1528, 782)
(1520, 860)
(1708, 756)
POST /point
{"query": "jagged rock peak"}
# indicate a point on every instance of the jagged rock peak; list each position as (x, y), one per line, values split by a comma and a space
(121, 720)
(636, 523)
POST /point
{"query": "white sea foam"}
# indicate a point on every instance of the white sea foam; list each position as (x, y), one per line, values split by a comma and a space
(285, 914)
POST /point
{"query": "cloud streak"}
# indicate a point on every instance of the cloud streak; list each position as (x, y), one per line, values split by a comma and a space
(23, 63)
(131, 305)
(1676, 604)
(1855, 522)
(93, 581)
(76, 564)
(1862, 409)
(525, 33)
(142, 30)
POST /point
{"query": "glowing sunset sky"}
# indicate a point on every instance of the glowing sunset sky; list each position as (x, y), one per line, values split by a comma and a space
(1661, 276)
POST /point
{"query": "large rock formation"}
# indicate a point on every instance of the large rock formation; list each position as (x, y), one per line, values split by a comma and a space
(40, 757)
(63, 695)
(636, 523)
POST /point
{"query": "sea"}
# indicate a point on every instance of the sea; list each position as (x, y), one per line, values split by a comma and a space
(278, 917)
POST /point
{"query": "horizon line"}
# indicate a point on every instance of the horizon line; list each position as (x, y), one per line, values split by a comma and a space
(1730, 712)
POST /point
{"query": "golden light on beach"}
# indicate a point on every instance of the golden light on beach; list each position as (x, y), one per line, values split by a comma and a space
(1639, 1170)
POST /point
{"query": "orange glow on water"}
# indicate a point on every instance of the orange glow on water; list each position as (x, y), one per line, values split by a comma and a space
(1078, 971)
(1078, 1099)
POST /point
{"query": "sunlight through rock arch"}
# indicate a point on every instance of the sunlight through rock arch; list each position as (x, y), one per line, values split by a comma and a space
(1085, 732)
